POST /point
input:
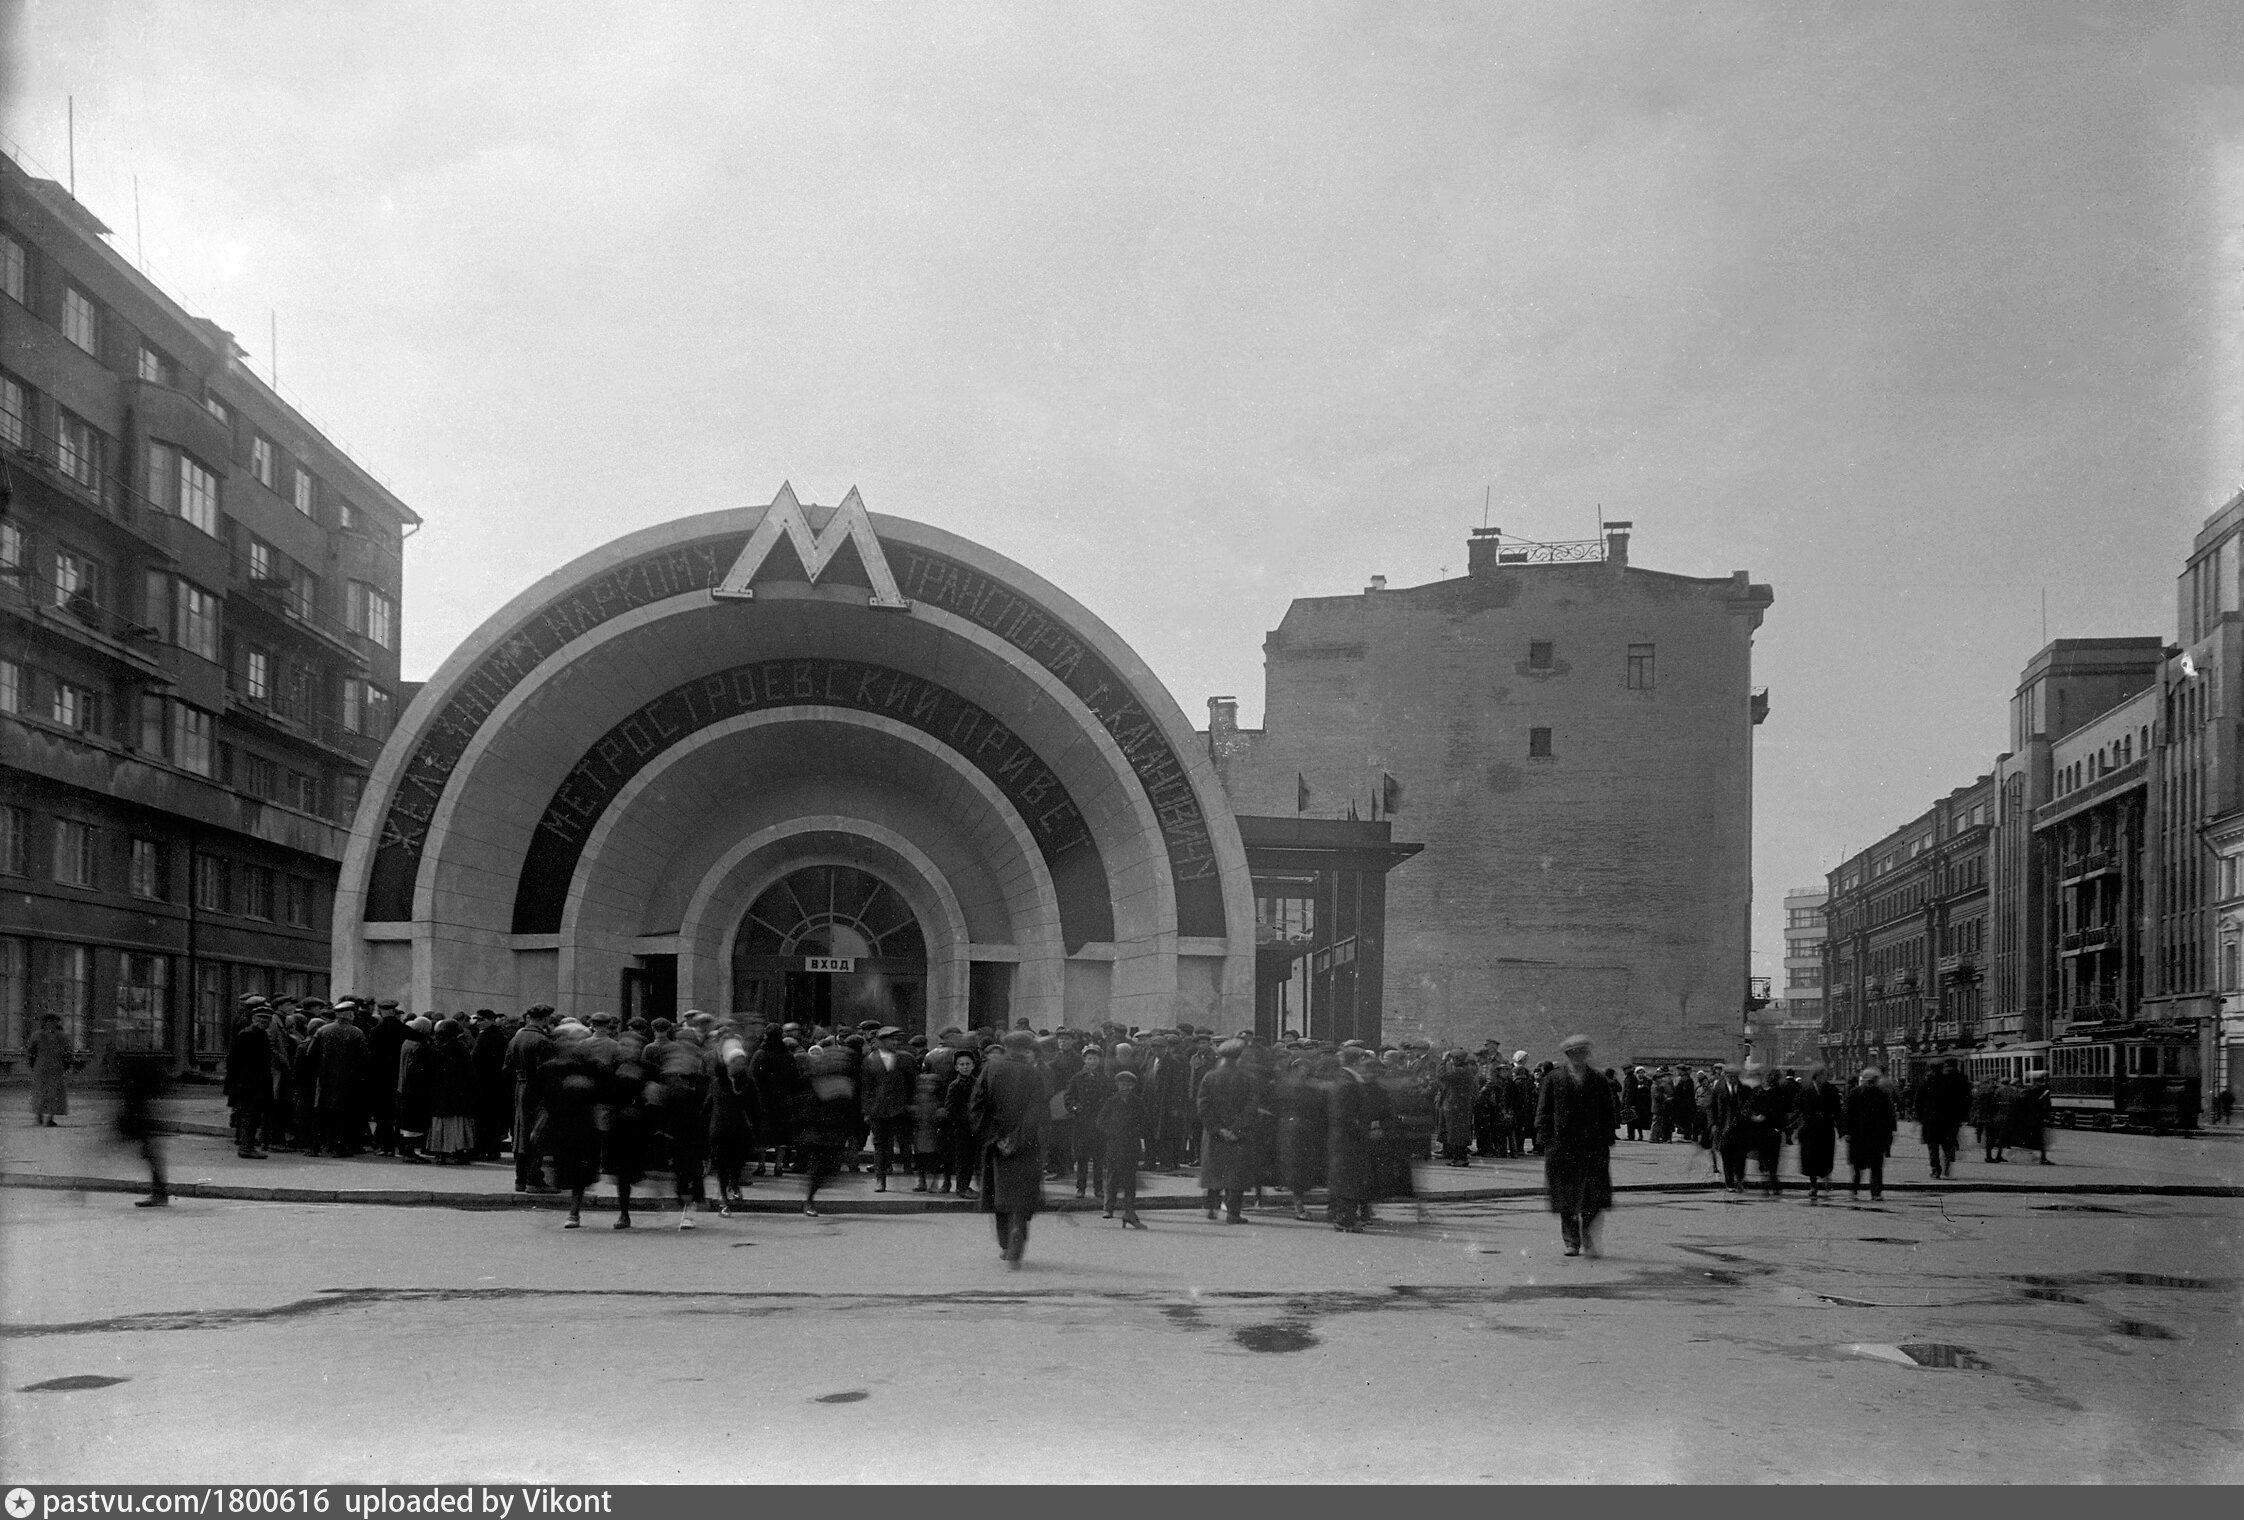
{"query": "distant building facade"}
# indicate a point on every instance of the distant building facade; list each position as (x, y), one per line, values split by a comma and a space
(1796, 1015)
(1570, 737)
(200, 604)
(2115, 860)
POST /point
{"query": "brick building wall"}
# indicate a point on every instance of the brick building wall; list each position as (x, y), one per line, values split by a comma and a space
(1571, 740)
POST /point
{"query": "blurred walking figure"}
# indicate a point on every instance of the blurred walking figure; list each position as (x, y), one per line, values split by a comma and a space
(1008, 1110)
(531, 1047)
(1121, 1125)
(1822, 1109)
(1870, 1123)
(779, 1100)
(566, 1129)
(829, 1118)
(1355, 1125)
(732, 1116)
(50, 1055)
(142, 1078)
(1574, 1117)
(683, 1081)
(1943, 1104)
(2030, 1127)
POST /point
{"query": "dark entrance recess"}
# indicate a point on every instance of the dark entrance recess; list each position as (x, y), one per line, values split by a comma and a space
(803, 928)
(1320, 930)
(650, 989)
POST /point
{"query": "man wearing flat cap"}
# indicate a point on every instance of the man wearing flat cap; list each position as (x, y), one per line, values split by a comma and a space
(885, 1090)
(1575, 1113)
(1007, 1115)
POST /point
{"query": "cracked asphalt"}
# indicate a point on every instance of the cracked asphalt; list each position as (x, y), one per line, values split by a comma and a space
(1957, 1337)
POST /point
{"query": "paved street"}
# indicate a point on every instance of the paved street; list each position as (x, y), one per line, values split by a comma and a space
(2096, 1336)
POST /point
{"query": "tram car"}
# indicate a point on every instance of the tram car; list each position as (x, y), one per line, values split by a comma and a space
(2146, 1079)
(2018, 1065)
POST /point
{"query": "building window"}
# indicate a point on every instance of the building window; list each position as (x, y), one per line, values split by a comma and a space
(77, 581)
(299, 902)
(261, 561)
(195, 624)
(190, 738)
(1640, 667)
(14, 547)
(1538, 743)
(302, 792)
(218, 408)
(78, 450)
(373, 614)
(151, 877)
(81, 321)
(13, 269)
(345, 518)
(210, 883)
(256, 884)
(15, 993)
(143, 1000)
(257, 676)
(259, 776)
(210, 1008)
(15, 411)
(261, 460)
(11, 687)
(366, 709)
(1539, 654)
(15, 830)
(62, 986)
(156, 367)
(198, 495)
(306, 492)
(74, 853)
(75, 707)
(347, 791)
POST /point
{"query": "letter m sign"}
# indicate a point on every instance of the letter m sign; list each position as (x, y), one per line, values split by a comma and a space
(850, 523)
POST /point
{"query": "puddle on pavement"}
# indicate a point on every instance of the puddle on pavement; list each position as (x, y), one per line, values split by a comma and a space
(1941, 1354)
(853, 1396)
(73, 1383)
(2123, 1280)
(1888, 1240)
(2142, 1330)
(1281, 1337)
(1184, 1316)
(2050, 1296)
(2079, 1208)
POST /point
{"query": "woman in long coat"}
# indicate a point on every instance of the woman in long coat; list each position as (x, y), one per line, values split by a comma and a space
(779, 1089)
(454, 1095)
(1869, 1121)
(1227, 1159)
(1299, 1100)
(1357, 1115)
(410, 1084)
(1574, 1130)
(1821, 1110)
(50, 1071)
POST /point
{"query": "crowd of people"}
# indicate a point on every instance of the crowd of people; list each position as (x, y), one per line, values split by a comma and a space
(716, 1103)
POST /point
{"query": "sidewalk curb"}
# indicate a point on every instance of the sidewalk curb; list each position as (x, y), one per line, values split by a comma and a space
(657, 1204)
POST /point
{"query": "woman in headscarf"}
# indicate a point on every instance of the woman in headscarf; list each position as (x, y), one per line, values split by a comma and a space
(453, 1096)
(731, 1114)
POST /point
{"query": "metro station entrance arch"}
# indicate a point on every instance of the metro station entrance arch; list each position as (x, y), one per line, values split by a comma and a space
(800, 760)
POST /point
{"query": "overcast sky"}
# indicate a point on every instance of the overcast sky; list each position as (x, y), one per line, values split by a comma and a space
(1916, 312)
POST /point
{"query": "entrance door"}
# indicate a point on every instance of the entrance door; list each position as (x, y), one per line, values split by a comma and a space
(832, 946)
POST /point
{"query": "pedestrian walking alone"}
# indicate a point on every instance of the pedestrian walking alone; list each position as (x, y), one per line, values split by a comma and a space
(1574, 1117)
(1821, 1112)
(51, 1056)
(1008, 1111)
(1870, 1123)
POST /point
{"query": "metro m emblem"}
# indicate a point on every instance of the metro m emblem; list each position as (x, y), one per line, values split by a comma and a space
(850, 523)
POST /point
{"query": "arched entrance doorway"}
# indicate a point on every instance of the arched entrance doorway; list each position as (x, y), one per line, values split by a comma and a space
(830, 944)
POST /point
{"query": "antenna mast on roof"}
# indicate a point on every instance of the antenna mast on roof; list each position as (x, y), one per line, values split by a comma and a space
(71, 134)
(139, 249)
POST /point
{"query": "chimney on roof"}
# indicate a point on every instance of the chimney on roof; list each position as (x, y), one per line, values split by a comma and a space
(1378, 583)
(1223, 716)
(1480, 550)
(1616, 542)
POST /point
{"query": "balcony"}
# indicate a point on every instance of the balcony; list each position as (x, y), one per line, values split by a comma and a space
(2083, 867)
(94, 493)
(2088, 941)
(290, 719)
(77, 619)
(277, 600)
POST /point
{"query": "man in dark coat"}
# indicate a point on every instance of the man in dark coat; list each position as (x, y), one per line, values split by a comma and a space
(1007, 1112)
(1574, 1117)
(494, 1086)
(249, 1081)
(1167, 1076)
(1818, 1117)
(385, 1045)
(531, 1048)
(1356, 1123)
(1869, 1123)
(1728, 1133)
(1943, 1105)
(342, 1067)
(884, 1092)
(1227, 1112)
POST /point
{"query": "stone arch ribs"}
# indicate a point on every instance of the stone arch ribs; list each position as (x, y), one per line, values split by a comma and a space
(803, 686)
(680, 561)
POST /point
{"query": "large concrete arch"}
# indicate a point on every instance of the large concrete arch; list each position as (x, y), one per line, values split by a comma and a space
(498, 753)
